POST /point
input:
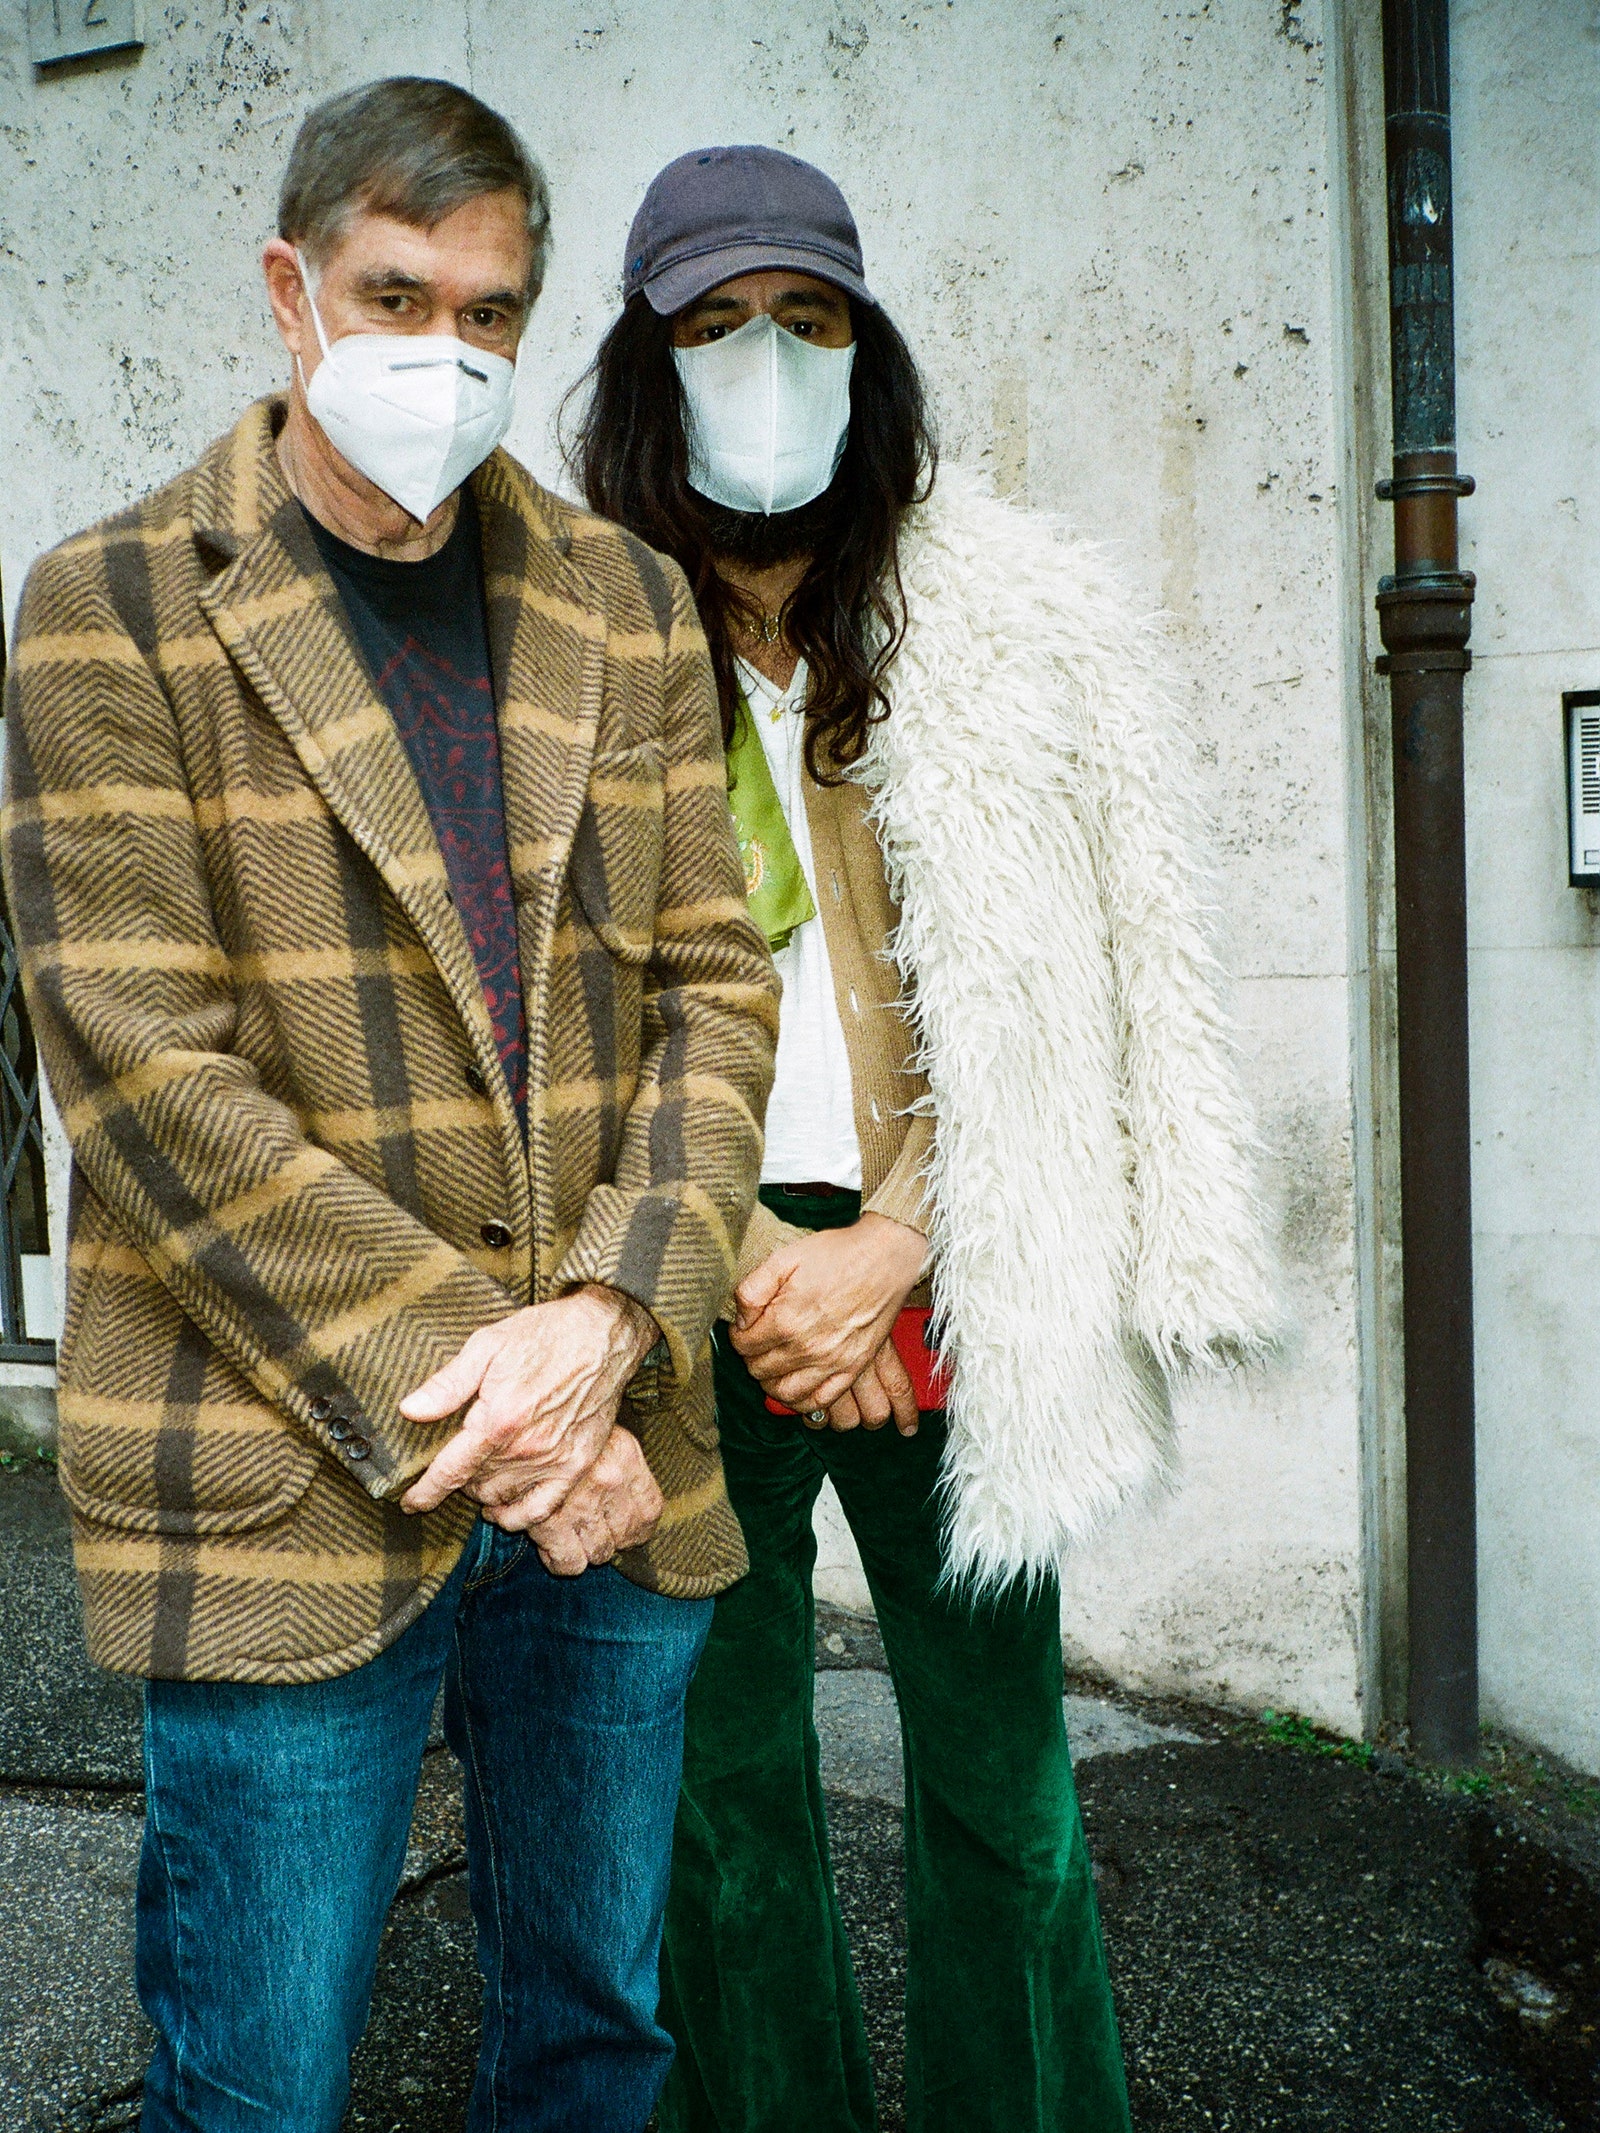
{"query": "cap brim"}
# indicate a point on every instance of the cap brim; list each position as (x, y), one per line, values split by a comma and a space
(685, 281)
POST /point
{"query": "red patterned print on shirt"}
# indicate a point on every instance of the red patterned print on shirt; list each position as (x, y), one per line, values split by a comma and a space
(447, 721)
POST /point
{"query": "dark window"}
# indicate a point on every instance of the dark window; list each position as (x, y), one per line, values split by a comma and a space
(24, 1219)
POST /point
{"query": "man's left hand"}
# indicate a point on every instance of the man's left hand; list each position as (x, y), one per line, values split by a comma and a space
(616, 1505)
(541, 1391)
(883, 1391)
(815, 1313)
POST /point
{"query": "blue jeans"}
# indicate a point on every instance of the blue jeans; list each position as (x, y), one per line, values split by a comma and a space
(276, 1826)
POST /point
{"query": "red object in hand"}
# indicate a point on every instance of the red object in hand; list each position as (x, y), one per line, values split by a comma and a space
(930, 1379)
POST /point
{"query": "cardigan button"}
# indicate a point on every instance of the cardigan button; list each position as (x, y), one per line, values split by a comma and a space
(475, 1080)
(496, 1236)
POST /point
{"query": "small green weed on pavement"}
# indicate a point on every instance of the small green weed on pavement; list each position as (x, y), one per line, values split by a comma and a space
(20, 1463)
(1510, 1774)
(1292, 1731)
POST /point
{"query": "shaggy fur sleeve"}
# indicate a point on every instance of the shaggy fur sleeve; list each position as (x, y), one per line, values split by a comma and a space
(1204, 1286)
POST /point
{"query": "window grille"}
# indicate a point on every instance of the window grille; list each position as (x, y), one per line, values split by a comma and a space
(24, 1217)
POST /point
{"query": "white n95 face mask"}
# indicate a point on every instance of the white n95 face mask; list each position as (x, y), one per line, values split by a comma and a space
(414, 412)
(768, 415)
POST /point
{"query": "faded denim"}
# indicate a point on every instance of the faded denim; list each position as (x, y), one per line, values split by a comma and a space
(277, 1820)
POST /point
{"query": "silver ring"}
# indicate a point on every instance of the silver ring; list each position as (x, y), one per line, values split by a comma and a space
(818, 1415)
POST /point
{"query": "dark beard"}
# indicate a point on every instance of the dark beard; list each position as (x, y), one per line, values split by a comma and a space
(758, 540)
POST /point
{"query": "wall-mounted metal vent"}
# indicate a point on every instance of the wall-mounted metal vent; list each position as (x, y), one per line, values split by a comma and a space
(1581, 709)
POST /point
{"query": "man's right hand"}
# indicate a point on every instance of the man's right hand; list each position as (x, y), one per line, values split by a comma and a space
(540, 1391)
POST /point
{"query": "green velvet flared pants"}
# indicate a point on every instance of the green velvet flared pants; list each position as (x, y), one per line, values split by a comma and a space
(1009, 2021)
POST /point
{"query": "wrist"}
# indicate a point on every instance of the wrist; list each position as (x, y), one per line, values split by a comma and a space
(905, 1249)
(634, 1331)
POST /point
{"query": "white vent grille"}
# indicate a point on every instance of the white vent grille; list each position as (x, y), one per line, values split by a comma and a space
(1589, 762)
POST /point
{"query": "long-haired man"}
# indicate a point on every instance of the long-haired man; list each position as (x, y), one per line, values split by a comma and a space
(1001, 1092)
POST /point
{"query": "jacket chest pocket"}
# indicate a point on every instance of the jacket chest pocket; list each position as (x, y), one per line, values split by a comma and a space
(615, 866)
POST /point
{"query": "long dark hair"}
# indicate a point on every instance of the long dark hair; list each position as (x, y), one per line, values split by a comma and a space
(629, 455)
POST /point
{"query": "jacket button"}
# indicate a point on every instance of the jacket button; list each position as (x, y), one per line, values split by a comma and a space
(496, 1236)
(475, 1081)
(338, 1429)
(358, 1448)
(321, 1408)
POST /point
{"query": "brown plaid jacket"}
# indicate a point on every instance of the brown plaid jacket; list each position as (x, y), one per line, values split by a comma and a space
(296, 1159)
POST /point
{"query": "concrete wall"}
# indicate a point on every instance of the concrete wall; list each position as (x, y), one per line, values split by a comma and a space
(1527, 141)
(1117, 238)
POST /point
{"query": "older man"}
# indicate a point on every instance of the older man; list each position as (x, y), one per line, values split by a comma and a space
(384, 934)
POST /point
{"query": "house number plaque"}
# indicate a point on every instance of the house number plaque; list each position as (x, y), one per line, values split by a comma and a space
(68, 29)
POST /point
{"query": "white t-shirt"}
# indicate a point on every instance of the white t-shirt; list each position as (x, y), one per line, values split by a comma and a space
(811, 1124)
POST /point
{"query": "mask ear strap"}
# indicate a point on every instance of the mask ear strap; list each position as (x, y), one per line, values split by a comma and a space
(316, 315)
(773, 330)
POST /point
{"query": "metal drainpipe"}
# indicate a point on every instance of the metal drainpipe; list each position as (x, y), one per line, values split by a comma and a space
(1425, 613)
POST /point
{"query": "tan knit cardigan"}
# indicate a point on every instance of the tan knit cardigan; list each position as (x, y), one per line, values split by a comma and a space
(859, 916)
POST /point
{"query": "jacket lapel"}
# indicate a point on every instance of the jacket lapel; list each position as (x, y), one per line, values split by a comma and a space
(278, 614)
(281, 619)
(547, 646)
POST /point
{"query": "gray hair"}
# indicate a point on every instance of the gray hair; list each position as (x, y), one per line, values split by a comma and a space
(410, 148)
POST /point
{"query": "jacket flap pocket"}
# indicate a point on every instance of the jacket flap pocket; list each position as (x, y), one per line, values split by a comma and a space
(160, 1433)
(216, 1472)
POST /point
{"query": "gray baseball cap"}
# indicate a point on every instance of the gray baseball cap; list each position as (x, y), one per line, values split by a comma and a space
(718, 212)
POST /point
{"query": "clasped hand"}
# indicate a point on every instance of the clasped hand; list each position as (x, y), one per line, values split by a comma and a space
(538, 1448)
(816, 1318)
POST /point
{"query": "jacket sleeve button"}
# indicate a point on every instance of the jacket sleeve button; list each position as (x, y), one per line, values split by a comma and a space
(338, 1429)
(475, 1080)
(358, 1448)
(321, 1408)
(496, 1236)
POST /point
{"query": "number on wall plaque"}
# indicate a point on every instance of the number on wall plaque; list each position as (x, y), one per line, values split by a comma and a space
(67, 29)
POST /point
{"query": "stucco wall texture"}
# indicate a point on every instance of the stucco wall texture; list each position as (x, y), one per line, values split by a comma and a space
(1527, 95)
(1108, 233)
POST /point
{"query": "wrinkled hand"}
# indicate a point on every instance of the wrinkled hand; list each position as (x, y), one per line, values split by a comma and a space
(616, 1505)
(541, 1391)
(883, 1389)
(815, 1315)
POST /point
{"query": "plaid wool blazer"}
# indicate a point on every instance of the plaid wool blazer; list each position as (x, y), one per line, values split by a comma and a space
(295, 1156)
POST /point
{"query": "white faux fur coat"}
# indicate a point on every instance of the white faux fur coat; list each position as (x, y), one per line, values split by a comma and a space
(1096, 1225)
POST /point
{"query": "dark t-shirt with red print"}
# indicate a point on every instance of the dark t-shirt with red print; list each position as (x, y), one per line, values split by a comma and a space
(422, 631)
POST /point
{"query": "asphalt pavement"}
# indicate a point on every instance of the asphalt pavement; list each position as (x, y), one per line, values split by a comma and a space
(1301, 1936)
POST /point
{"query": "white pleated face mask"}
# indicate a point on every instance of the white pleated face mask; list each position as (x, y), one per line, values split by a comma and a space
(414, 412)
(768, 415)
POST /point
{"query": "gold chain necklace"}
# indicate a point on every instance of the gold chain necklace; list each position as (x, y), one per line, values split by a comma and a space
(769, 629)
